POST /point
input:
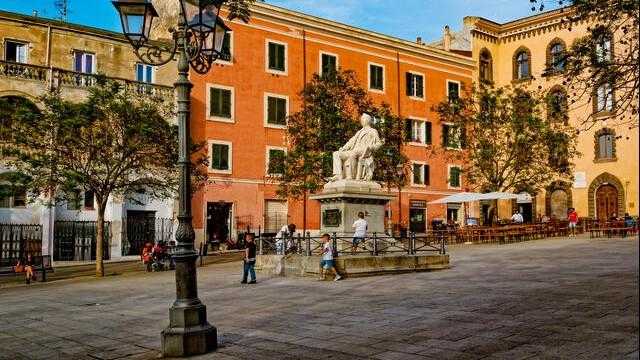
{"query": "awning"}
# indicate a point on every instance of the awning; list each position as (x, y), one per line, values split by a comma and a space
(524, 198)
(469, 197)
(457, 198)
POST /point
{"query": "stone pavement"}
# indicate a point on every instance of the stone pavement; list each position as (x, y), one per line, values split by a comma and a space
(560, 298)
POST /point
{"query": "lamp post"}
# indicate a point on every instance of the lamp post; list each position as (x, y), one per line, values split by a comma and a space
(197, 43)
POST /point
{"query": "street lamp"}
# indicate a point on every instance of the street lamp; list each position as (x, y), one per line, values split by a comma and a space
(197, 41)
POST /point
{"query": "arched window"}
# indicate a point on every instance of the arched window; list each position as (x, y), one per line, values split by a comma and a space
(522, 64)
(556, 56)
(557, 105)
(605, 144)
(486, 66)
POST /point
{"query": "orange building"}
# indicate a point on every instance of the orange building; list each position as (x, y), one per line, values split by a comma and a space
(239, 109)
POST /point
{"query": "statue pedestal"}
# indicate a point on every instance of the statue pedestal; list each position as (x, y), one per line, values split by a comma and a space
(342, 200)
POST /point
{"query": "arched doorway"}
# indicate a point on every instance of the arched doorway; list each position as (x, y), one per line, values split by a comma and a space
(606, 202)
(559, 204)
(606, 197)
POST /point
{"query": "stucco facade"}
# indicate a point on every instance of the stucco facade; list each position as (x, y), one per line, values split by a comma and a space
(618, 172)
(244, 189)
(39, 54)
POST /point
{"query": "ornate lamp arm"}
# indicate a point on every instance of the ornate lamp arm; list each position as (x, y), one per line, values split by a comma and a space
(157, 53)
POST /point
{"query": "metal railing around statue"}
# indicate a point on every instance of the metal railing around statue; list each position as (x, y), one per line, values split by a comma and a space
(373, 245)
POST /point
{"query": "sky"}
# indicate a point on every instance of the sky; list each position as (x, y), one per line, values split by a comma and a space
(406, 19)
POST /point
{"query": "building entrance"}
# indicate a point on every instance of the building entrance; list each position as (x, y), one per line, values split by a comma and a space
(606, 202)
(219, 223)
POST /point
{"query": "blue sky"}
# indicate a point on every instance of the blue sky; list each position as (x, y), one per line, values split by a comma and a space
(401, 18)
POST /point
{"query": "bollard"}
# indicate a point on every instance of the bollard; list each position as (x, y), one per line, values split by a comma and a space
(260, 246)
(334, 242)
(308, 244)
(412, 243)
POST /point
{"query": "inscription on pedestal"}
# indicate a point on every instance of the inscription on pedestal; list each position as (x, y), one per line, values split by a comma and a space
(332, 218)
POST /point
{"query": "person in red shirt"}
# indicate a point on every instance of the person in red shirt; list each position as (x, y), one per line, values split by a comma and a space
(573, 221)
(147, 256)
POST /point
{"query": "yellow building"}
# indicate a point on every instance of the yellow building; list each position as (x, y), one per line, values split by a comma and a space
(521, 53)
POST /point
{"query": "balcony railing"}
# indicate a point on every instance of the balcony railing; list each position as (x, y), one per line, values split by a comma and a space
(55, 77)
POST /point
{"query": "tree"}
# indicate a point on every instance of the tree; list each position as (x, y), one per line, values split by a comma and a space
(509, 146)
(112, 143)
(332, 104)
(608, 54)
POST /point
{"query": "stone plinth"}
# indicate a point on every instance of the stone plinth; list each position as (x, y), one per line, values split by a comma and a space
(351, 266)
(341, 201)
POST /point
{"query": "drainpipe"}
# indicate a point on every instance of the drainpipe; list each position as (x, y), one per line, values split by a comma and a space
(48, 57)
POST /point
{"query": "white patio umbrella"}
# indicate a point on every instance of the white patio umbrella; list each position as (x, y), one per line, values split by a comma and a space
(458, 198)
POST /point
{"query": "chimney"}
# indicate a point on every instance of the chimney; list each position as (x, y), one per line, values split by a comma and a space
(419, 40)
(446, 38)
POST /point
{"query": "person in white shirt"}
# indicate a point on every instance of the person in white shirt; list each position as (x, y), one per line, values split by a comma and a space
(360, 231)
(327, 264)
(517, 218)
(285, 233)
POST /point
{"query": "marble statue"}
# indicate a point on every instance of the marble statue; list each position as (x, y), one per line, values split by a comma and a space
(354, 161)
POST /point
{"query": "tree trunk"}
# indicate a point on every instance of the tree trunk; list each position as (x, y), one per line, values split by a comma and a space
(304, 214)
(100, 239)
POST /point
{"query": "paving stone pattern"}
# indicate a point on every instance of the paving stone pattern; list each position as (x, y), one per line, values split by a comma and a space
(549, 299)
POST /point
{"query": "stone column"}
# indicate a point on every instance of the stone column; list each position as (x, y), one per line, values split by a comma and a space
(115, 214)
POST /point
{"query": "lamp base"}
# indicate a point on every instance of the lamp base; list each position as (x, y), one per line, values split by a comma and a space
(189, 333)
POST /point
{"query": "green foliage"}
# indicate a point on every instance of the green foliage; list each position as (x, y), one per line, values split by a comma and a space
(509, 146)
(328, 119)
(586, 70)
(240, 9)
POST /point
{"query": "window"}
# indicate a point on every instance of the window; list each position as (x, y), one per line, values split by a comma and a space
(227, 48)
(18, 198)
(455, 180)
(415, 85)
(89, 197)
(84, 62)
(418, 131)
(556, 56)
(15, 52)
(522, 65)
(453, 89)
(277, 57)
(605, 144)
(421, 174)
(144, 73)
(451, 136)
(603, 49)
(275, 161)
(376, 77)
(328, 63)
(486, 66)
(557, 105)
(604, 98)
(276, 110)
(220, 103)
(220, 156)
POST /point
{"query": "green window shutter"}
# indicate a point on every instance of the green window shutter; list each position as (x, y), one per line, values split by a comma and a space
(213, 101)
(408, 127)
(328, 64)
(454, 177)
(427, 179)
(417, 172)
(219, 157)
(419, 86)
(409, 84)
(282, 112)
(445, 136)
(226, 103)
(272, 56)
(271, 110)
(226, 47)
(376, 80)
(276, 111)
(276, 162)
(427, 131)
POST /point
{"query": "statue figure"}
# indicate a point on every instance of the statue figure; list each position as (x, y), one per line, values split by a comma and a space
(354, 161)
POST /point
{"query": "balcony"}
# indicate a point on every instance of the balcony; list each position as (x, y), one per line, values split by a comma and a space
(44, 78)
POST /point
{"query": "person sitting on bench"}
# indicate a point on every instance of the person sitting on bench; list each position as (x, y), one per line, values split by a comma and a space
(26, 267)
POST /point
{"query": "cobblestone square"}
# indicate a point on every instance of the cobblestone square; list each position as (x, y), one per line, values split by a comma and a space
(558, 298)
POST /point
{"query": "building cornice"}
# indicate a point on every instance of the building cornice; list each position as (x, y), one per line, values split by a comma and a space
(331, 28)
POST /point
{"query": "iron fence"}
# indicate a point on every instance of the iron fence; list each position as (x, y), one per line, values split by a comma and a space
(374, 245)
(17, 241)
(137, 231)
(76, 240)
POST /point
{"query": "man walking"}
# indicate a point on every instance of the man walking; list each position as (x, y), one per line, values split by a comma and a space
(360, 231)
(249, 259)
(327, 264)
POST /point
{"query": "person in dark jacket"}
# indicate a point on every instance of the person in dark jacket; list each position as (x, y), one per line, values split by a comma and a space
(249, 259)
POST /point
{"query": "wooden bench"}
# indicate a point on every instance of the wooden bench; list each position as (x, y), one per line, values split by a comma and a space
(42, 264)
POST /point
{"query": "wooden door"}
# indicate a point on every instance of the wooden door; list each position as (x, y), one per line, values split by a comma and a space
(606, 202)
